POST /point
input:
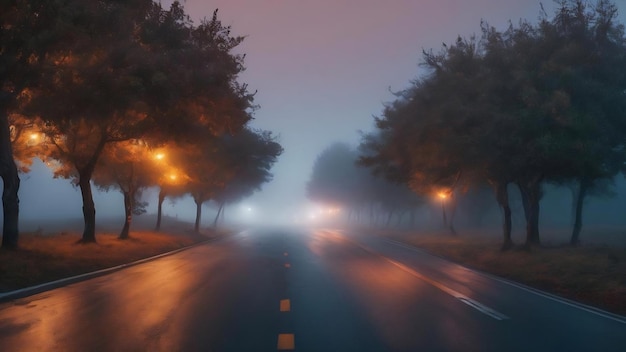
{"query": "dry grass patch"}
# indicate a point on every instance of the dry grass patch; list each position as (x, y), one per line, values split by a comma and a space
(45, 258)
(592, 274)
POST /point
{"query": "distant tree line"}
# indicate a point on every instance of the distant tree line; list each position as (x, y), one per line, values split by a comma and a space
(337, 181)
(128, 95)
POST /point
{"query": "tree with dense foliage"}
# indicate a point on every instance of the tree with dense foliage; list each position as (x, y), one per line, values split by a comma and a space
(427, 135)
(209, 169)
(525, 106)
(172, 177)
(129, 167)
(585, 70)
(254, 153)
(94, 73)
(26, 140)
(152, 72)
(25, 37)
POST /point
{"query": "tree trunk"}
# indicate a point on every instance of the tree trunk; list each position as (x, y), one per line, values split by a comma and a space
(527, 214)
(502, 196)
(89, 209)
(574, 189)
(129, 203)
(535, 197)
(217, 216)
(196, 227)
(160, 209)
(8, 170)
(531, 195)
(128, 210)
(583, 187)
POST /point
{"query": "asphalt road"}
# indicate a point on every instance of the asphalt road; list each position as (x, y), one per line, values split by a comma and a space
(302, 290)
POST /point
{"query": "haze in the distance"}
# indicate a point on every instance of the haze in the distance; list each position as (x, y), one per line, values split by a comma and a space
(322, 69)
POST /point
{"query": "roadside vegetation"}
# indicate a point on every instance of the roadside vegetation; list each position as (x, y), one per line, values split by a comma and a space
(126, 95)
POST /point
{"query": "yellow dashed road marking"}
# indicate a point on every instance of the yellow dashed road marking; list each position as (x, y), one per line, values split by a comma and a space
(286, 342)
(285, 305)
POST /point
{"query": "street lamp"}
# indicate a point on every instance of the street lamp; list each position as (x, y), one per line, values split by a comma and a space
(443, 196)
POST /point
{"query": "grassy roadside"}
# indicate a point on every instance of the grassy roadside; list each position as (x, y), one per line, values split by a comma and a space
(591, 274)
(45, 258)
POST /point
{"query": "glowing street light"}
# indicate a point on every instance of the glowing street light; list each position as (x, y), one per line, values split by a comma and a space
(33, 139)
(159, 156)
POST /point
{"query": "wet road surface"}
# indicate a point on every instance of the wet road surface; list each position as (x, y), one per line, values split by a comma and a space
(302, 290)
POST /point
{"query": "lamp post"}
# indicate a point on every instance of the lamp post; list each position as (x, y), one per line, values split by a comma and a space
(443, 196)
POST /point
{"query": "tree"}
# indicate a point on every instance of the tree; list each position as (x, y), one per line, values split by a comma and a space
(428, 135)
(24, 40)
(209, 170)
(94, 73)
(384, 184)
(130, 168)
(584, 70)
(26, 140)
(334, 179)
(337, 180)
(528, 105)
(254, 152)
(171, 176)
(152, 73)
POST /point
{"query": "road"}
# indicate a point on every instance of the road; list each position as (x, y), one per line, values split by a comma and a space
(302, 290)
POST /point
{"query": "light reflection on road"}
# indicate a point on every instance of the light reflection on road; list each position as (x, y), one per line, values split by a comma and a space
(400, 306)
(134, 311)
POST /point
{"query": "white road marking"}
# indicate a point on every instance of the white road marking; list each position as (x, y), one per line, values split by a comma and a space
(582, 306)
(461, 297)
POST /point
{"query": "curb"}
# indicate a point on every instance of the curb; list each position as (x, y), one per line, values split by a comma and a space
(46, 286)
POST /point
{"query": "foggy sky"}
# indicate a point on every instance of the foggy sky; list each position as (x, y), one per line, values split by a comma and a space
(322, 69)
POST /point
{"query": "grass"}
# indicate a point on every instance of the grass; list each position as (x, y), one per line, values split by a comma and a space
(593, 274)
(45, 258)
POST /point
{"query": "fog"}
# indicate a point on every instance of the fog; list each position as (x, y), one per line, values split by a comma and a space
(322, 70)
